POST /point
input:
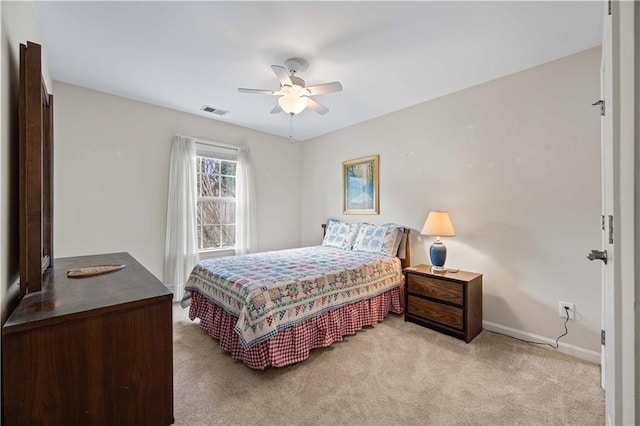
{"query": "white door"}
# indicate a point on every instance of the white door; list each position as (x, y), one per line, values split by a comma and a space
(609, 308)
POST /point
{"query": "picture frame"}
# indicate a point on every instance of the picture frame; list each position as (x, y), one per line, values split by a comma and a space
(360, 186)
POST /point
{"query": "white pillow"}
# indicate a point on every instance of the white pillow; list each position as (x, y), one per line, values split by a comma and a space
(340, 235)
(383, 239)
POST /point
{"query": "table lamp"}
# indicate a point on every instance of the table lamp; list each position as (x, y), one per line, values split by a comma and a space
(438, 224)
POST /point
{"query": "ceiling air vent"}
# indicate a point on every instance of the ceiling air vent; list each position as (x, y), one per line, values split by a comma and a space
(212, 110)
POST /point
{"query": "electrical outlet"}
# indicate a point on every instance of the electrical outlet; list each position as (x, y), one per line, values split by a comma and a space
(572, 310)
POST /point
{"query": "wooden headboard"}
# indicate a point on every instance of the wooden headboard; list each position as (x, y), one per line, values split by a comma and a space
(405, 261)
(35, 116)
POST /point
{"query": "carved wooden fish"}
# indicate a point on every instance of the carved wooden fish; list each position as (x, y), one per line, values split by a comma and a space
(89, 271)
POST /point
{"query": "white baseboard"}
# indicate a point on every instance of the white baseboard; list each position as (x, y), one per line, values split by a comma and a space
(586, 354)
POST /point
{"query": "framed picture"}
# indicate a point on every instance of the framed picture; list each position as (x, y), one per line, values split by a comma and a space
(360, 186)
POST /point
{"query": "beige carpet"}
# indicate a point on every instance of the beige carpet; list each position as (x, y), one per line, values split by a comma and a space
(390, 374)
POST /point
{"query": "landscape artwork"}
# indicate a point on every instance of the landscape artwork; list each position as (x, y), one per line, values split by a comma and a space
(360, 186)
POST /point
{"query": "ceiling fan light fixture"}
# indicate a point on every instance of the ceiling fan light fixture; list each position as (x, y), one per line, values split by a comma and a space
(294, 95)
(292, 104)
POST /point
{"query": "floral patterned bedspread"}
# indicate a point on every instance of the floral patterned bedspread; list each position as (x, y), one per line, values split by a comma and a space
(273, 290)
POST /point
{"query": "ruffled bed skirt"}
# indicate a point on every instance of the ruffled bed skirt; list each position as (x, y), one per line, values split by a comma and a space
(294, 343)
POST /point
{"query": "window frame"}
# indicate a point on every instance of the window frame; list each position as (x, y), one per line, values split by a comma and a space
(218, 153)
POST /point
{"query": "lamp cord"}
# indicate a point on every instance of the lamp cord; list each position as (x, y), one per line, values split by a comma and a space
(554, 346)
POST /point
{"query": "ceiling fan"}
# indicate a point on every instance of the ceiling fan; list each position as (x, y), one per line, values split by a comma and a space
(293, 92)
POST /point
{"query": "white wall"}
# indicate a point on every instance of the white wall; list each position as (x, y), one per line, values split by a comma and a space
(18, 26)
(516, 162)
(111, 172)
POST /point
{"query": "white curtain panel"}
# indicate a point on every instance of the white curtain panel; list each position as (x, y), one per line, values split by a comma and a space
(181, 247)
(246, 233)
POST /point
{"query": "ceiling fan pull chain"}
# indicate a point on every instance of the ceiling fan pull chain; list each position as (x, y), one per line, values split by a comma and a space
(291, 128)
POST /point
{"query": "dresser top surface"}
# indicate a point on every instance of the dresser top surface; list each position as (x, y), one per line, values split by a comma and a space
(62, 296)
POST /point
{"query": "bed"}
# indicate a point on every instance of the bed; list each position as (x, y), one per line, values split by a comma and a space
(273, 308)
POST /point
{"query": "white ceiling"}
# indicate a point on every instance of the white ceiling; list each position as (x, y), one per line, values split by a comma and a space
(387, 55)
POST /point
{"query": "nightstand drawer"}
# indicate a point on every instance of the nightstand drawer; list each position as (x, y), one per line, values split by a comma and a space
(437, 289)
(444, 314)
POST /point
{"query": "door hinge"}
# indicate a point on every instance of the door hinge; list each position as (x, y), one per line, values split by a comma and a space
(609, 6)
(602, 337)
(602, 221)
(610, 229)
(601, 103)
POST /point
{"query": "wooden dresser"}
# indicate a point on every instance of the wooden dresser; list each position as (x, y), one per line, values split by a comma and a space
(90, 351)
(449, 302)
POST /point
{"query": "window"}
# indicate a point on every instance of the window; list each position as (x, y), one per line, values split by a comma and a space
(216, 209)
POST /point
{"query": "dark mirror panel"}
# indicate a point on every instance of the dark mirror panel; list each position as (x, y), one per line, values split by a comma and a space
(35, 171)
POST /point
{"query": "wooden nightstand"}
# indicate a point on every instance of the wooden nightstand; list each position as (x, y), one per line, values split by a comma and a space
(447, 302)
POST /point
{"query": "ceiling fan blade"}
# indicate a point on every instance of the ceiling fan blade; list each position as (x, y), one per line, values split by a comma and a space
(260, 91)
(320, 109)
(282, 74)
(276, 109)
(320, 89)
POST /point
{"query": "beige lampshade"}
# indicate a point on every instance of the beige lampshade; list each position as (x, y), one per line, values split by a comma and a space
(292, 103)
(438, 224)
